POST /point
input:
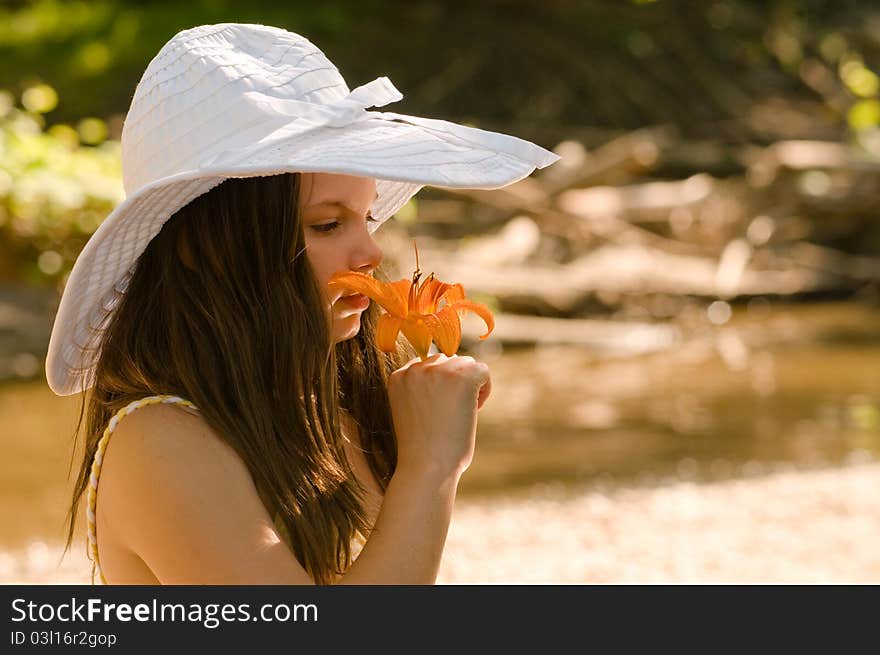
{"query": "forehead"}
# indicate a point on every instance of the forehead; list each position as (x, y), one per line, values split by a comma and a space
(328, 189)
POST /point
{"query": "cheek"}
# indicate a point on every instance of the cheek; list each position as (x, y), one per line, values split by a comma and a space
(319, 261)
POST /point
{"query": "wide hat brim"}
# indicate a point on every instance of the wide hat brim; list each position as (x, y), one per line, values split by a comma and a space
(403, 153)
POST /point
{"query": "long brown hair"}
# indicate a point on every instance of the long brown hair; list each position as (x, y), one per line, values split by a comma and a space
(224, 309)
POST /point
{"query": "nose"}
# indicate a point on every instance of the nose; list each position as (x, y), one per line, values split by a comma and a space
(367, 256)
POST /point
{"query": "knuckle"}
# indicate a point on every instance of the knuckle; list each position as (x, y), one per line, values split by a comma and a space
(398, 376)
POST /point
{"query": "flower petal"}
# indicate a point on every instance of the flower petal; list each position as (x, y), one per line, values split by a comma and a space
(480, 309)
(445, 329)
(418, 334)
(387, 295)
(401, 287)
(429, 295)
(387, 330)
(453, 293)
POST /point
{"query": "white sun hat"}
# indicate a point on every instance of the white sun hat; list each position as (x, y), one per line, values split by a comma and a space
(243, 100)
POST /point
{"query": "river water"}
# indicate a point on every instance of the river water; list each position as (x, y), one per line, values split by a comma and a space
(776, 389)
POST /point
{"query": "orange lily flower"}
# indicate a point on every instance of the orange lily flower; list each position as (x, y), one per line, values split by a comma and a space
(415, 310)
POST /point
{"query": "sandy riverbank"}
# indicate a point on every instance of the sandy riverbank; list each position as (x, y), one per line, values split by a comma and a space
(791, 527)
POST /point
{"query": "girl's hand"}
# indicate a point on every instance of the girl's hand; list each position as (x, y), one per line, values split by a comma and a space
(434, 405)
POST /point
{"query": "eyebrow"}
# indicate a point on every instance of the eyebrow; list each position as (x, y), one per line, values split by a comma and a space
(337, 204)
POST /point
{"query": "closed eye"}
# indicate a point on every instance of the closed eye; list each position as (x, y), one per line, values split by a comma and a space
(326, 227)
(329, 227)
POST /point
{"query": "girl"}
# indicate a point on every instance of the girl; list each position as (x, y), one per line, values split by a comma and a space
(242, 424)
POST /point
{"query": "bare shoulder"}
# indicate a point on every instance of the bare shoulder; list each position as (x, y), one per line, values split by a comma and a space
(162, 444)
(166, 430)
(180, 497)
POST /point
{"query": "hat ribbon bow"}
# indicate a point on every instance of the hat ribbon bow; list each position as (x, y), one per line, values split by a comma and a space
(337, 113)
(282, 112)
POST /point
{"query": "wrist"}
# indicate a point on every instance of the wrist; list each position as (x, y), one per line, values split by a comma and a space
(428, 475)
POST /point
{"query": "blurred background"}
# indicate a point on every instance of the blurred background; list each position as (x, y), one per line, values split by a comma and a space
(686, 360)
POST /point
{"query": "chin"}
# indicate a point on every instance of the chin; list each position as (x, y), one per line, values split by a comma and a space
(347, 328)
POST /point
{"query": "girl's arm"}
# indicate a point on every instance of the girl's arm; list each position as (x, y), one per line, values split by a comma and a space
(406, 544)
(181, 499)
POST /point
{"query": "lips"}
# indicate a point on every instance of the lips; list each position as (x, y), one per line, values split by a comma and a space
(357, 300)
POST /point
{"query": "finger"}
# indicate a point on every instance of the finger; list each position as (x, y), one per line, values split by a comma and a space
(417, 360)
(434, 360)
(484, 392)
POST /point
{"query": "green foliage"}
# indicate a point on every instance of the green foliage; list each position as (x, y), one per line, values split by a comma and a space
(54, 189)
(538, 69)
(94, 52)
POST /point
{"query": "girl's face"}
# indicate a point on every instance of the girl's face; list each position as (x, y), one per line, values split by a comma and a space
(336, 211)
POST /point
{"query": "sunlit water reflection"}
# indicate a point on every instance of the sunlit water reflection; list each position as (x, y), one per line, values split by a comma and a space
(786, 389)
(796, 388)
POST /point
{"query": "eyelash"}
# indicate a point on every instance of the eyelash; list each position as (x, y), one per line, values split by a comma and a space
(324, 228)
